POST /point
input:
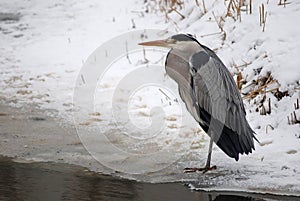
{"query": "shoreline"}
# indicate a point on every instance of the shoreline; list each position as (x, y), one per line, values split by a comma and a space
(30, 135)
(73, 178)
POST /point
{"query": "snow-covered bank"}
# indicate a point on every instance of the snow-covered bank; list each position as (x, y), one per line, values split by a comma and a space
(43, 51)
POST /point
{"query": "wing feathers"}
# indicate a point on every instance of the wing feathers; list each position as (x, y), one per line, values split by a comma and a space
(219, 98)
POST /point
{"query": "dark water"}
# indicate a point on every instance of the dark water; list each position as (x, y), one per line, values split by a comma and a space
(51, 181)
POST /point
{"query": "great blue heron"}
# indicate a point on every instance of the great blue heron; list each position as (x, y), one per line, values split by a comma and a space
(210, 95)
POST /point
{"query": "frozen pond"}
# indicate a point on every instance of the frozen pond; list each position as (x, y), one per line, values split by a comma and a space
(32, 135)
(54, 181)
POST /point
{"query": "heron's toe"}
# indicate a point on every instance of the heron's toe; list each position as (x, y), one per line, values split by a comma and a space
(204, 170)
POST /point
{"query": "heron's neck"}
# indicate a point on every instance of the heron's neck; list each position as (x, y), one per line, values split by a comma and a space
(177, 61)
(177, 66)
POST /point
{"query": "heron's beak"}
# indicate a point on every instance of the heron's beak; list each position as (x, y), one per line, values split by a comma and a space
(159, 43)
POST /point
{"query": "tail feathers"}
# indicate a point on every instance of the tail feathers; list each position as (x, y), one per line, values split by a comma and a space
(229, 141)
(234, 144)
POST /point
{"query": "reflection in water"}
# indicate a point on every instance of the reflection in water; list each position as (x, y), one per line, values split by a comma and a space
(234, 198)
(46, 181)
(50, 181)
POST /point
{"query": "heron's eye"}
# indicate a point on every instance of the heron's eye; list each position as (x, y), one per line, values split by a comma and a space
(191, 35)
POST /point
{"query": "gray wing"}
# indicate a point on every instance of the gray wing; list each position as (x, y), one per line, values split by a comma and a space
(220, 104)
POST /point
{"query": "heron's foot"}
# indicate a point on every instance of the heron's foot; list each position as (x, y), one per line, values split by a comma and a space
(204, 170)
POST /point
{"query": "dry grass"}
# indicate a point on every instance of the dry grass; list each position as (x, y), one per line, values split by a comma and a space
(261, 88)
(203, 5)
(261, 85)
(283, 3)
(262, 16)
(265, 86)
(220, 22)
(234, 9)
(240, 81)
(172, 6)
(293, 119)
(169, 6)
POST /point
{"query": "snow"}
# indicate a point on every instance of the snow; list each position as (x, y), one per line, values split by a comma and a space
(47, 54)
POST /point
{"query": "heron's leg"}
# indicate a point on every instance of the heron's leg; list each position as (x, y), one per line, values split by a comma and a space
(207, 166)
(209, 152)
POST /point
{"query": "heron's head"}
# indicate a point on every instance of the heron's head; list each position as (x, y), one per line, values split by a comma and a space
(179, 41)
